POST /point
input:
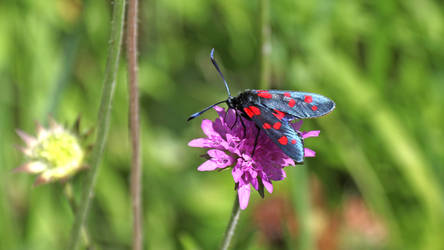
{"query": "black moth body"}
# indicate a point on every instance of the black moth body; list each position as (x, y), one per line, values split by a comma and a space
(273, 110)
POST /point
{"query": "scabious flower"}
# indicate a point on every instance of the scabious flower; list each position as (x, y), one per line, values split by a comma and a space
(55, 153)
(228, 146)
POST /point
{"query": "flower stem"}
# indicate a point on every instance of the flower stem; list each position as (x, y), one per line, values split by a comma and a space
(136, 162)
(301, 193)
(109, 83)
(67, 190)
(265, 44)
(235, 214)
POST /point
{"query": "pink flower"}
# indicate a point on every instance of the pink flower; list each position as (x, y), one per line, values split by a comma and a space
(230, 146)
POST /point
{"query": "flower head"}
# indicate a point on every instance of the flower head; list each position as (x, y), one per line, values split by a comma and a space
(54, 153)
(229, 146)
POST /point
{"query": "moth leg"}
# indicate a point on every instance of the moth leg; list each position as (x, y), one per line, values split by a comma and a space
(243, 125)
(255, 140)
(235, 121)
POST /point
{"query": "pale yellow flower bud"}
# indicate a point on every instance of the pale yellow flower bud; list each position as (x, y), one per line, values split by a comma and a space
(55, 153)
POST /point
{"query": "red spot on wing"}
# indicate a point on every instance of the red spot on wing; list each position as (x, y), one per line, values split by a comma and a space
(279, 114)
(249, 112)
(291, 103)
(277, 125)
(293, 141)
(264, 94)
(283, 140)
(287, 94)
(266, 125)
(314, 107)
(255, 110)
(308, 99)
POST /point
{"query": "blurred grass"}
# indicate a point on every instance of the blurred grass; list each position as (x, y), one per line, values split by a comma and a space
(381, 61)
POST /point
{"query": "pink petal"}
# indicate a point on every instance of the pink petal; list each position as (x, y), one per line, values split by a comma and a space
(202, 143)
(309, 153)
(230, 118)
(42, 179)
(244, 195)
(25, 151)
(208, 165)
(31, 167)
(29, 140)
(220, 157)
(232, 144)
(267, 185)
(288, 162)
(216, 153)
(247, 157)
(220, 111)
(297, 125)
(312, 133)
(276, 174)
(237, 173)
(198, 143)
(253, 174)
(255, 183)
(207, 128)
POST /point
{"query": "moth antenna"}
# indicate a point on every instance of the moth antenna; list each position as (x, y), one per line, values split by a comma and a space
(204, 110)
(218, 70)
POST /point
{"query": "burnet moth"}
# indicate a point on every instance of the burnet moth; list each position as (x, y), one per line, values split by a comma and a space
(273, 110)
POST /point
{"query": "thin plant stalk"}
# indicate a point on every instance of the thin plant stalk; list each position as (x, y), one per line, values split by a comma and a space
(68, 192)
(136, 162)
(231, 227)
(109, 83)
(265, 44)
(301, 199)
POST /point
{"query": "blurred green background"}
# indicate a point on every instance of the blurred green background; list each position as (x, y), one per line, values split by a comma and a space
(376, 182)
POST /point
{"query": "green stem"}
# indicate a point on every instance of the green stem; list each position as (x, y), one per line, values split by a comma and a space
(301, 198)
(265, 44)
(67, 190)
(235, 214)
(103, 118)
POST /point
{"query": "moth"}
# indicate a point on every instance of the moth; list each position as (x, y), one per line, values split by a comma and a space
(272, 111)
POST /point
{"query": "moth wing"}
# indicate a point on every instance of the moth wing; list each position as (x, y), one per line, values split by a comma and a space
(277, 126)
(301, 105)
